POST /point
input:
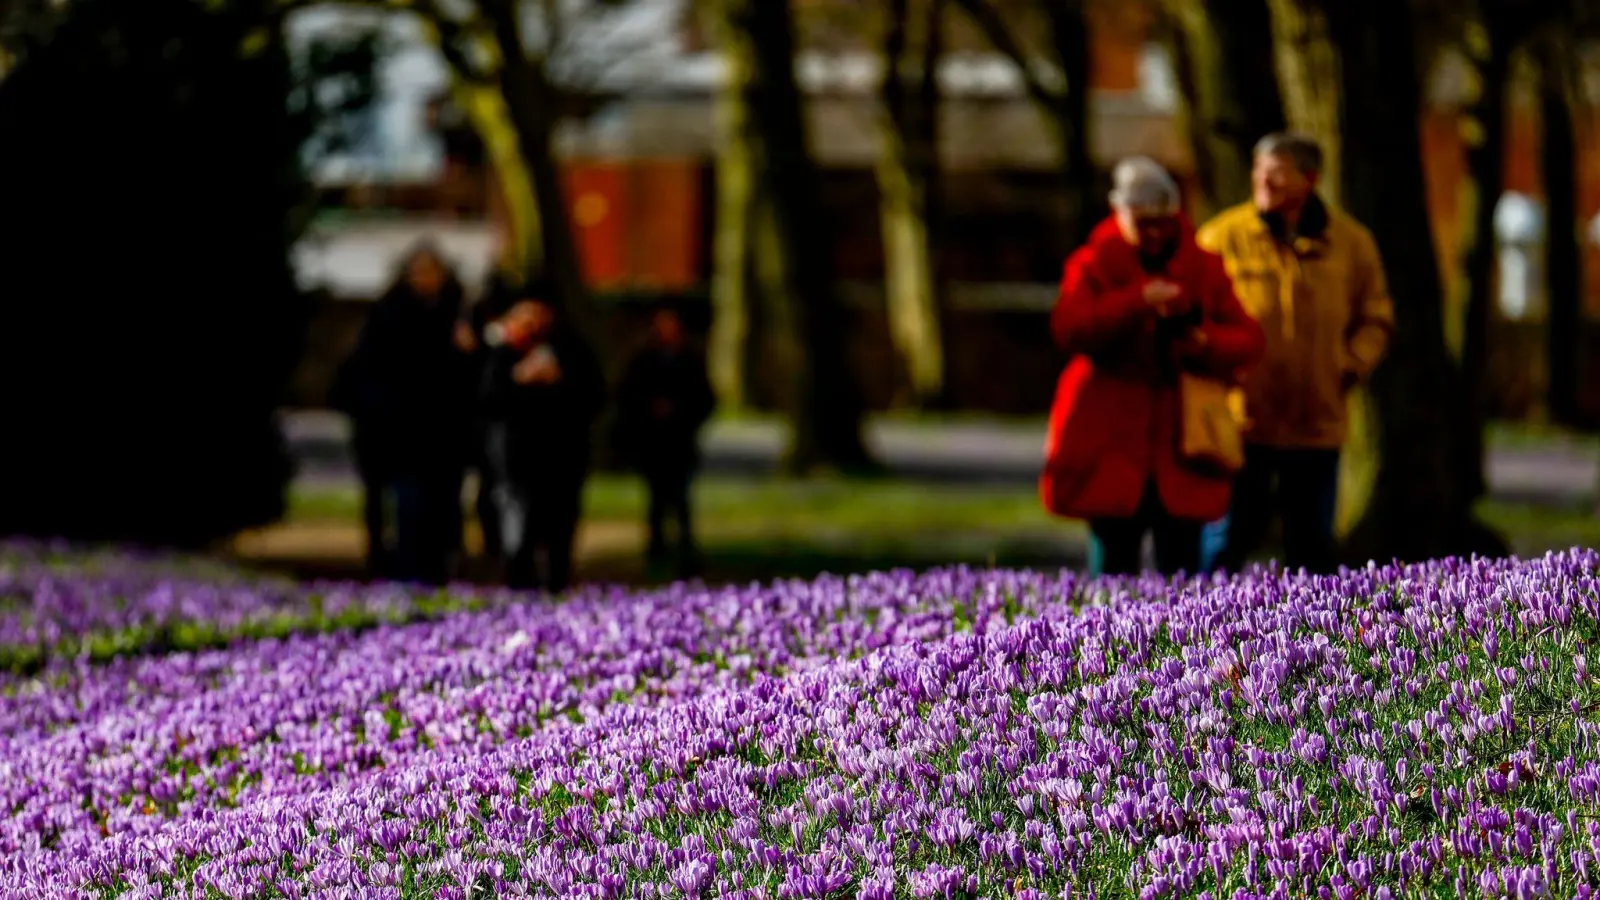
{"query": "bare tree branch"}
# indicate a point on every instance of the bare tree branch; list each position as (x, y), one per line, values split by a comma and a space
(994, 28)
(455, 38)
(554, 25)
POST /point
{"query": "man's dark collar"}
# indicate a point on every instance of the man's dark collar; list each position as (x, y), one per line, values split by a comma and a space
(1314, 221)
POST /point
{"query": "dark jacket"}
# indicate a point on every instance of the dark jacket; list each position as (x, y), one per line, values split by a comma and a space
(548, 426)
(408, 387)
(655, 374)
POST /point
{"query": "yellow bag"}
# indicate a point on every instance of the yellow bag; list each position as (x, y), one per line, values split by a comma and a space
(1209, 427)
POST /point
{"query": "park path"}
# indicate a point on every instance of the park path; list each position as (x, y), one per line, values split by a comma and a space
(1002, 454)
(1558, 473)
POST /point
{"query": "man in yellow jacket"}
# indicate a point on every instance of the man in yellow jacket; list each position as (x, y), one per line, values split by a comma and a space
(1313, 278)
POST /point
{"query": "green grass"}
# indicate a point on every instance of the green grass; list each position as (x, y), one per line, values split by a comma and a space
(882, 518)
(1539, 436)
(1534, 529)
(758, 529)
(866, 507)
(755, 528)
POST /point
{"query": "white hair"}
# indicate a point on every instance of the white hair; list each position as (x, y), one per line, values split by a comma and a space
(1140, 184)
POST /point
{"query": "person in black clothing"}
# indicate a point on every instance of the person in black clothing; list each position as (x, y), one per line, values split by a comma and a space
(542, 391)
(407, 388)
(664, 400)
(496, 300)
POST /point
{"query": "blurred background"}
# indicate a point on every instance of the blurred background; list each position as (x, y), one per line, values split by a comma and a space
(863, 205)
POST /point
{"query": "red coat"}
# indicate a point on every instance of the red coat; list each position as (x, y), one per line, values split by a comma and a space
(1115, 419)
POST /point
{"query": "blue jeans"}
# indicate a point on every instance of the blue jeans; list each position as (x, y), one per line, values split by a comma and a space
(1302, 487)
(1213, 540)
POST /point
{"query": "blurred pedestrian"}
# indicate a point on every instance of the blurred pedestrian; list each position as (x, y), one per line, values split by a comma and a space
(542, 391)
(663, 401)
(1312, 276)
(1144, 312)
(407, 388)
(497, 298)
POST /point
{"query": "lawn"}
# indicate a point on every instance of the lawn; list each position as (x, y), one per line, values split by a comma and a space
(761, 528)
(756, 528)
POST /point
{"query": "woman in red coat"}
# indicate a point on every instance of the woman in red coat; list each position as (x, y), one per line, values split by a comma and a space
(1140, 303)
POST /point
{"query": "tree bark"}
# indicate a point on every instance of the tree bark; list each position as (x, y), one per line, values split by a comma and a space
(1486, 178)
(1564, 273)
(532, 103)
(795, 265)
(1422, 506)
(729, 340)
(1066, 108)
(1224, 60)
(486, 107)
(1070, 44)
(1308, 66)
(908, 167)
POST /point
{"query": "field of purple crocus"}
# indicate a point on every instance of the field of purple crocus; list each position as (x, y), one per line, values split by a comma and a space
(1397, 732)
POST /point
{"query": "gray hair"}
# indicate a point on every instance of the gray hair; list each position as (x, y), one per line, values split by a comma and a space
(1140, 184)
(1297, 147)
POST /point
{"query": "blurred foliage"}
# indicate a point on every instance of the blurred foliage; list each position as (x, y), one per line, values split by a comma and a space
(154, 173)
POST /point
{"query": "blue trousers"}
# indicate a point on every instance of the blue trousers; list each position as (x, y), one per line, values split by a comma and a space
(1213, 540)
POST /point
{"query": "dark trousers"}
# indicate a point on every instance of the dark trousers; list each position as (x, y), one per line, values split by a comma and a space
(368, 457)
(1120, 541)
(375, 520)
(539, 526)
(427, 527)
(538, 514)
(488, 515)
(1305, 485)
(669, 502)
(484, 508)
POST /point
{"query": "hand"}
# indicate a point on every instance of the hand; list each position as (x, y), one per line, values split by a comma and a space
(1192, 344)
(1166, 298)
(465, 340)
(537, 369)
(1159, 293)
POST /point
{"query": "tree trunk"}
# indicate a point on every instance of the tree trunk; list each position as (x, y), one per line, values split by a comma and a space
(1070, 44)
(1066, 109)
(1422, 507)
(1564, 274)
(486, 107)
(1486, 171)
(1308, 68)
(531, 101)
(907, 171)
(735, 224)
(795, 266)
(1223, 56)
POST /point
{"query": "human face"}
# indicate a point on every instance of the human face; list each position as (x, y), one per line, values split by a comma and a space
(426, 275)
(1152, 232)
(528, 320)
(1278, 185)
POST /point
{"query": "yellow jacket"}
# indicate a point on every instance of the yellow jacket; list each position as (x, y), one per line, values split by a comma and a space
(1325, 307)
